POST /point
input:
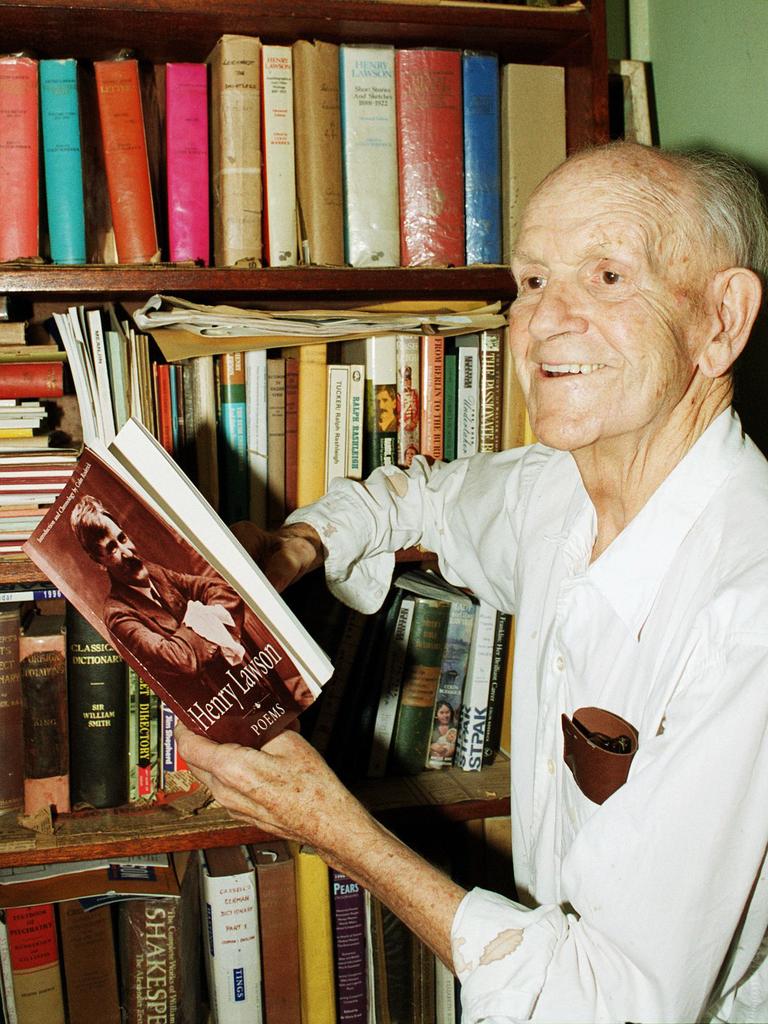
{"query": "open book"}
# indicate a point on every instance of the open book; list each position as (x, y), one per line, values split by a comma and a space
(140, 553)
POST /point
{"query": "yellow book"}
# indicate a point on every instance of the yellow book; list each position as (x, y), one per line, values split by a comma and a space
(312, 403)
(318, 995)
(16, 432)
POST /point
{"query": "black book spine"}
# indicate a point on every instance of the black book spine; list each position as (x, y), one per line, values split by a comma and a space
(98, 716)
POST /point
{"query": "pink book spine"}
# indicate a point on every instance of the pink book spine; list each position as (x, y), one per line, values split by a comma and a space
(187, 161)
(19, 158)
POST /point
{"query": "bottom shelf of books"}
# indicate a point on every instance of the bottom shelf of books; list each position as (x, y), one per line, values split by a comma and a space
(190, 820)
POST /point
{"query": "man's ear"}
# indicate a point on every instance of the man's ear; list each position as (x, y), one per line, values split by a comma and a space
(735, 298)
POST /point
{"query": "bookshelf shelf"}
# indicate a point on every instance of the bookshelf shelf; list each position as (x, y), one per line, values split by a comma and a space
(212, 284)
(446, 795)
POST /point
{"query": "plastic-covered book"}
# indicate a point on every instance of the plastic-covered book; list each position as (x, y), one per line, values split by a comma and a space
(140, 553)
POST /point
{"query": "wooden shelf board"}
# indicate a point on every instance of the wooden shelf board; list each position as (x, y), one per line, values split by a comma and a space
(96, 280)
(447, 795)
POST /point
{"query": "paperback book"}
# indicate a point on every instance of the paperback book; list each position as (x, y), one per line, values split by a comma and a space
(135, 548)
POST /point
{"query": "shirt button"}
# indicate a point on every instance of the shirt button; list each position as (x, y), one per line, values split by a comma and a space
(560, 663)
(551, 766)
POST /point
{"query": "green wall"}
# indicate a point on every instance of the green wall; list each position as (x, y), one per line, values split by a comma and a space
(709, 79)
(710, 75)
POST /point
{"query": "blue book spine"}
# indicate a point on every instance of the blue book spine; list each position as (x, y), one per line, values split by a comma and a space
(482, 157)
(63, 160)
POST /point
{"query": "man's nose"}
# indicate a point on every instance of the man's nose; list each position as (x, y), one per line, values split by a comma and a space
(557, 310)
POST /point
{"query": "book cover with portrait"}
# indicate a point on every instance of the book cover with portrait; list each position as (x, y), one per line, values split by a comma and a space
(139, 552)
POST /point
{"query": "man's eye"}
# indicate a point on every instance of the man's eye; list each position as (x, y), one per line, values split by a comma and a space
(610, 277)
(532, 283)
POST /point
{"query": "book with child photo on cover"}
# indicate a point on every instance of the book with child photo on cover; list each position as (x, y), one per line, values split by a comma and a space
(139, 552)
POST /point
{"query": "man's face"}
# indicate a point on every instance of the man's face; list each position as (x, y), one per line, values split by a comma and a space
(603, 331)
(115, 551)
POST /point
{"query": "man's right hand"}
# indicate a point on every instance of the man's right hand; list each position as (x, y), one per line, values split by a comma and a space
(284, 555)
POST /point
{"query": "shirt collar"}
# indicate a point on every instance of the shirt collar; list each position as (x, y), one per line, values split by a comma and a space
(630, 571)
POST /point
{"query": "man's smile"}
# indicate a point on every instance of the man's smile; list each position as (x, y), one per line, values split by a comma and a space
(567, 369)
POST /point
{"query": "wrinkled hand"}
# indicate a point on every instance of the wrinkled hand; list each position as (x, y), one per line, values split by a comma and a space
(286, 788)
(284, 555)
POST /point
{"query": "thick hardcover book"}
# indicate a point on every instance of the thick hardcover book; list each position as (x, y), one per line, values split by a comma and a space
(311, 365)
(25, 380)
(334, 694)
(291, 432)
(369, 155)
(19, 146)
(136, 548)
(278, 920)
(430, 157)
(126, 161)
(474, 705)
(159, 951)
(60, 120)
(421, 675)
(98, 715)
(236, 151)
(348, 914)
(90, 968)
(432, 372)
(482, 157)
(379, 356)
(43, 671)
(408, 401)
(7, 1002)
(318, 999)
(34, 954)
(392, 954)
(231, 935)
(279, 147)
(532, 136)
(233, 435)
(317, 119)
(490, 391)
(186, 124)
(12, 747)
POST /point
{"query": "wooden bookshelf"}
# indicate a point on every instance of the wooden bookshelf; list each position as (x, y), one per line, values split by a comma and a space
(172, 30)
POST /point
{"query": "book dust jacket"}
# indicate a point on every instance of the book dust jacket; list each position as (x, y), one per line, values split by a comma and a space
(166, 610)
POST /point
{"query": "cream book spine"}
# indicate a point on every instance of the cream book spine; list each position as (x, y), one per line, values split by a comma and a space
(280, 213)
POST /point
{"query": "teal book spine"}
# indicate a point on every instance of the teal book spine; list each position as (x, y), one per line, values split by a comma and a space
(450, 391)
(62, 155)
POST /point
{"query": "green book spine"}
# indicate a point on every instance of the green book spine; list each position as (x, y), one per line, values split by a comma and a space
(98, 716)
(421, 674)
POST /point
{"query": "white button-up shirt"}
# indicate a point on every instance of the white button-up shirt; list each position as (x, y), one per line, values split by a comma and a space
(652, 906)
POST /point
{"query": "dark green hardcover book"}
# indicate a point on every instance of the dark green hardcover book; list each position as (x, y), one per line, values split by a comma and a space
(421, 674)
(450, 362)
(98, 716)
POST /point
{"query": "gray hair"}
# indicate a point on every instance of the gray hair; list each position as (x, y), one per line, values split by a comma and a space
(731, 210)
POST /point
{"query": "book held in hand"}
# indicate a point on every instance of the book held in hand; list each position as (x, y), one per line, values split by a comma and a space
(134, 546)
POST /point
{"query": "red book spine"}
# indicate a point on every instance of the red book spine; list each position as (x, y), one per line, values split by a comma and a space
(126, 161)
(432, 388)
(430, 157)
(164, 408)
(31, 380)
(19, 144)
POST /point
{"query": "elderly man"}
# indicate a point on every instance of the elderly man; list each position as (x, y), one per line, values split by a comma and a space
(630, 543)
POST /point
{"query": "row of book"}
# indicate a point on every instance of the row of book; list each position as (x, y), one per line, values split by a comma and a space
(264, 431)
(81, 728)
(314, 153)
(258, 934)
